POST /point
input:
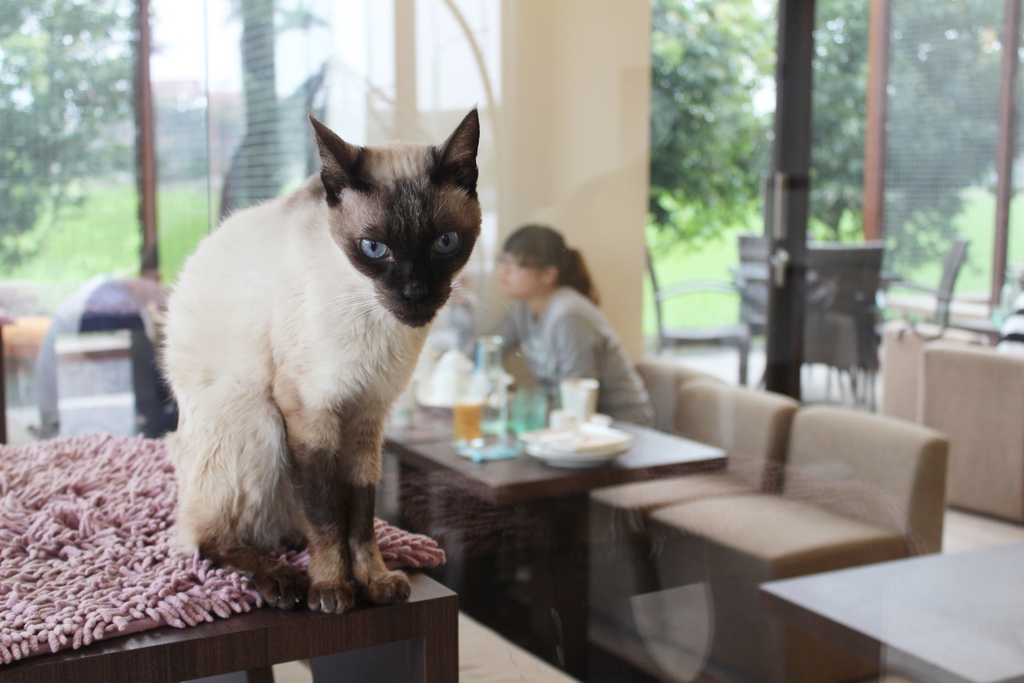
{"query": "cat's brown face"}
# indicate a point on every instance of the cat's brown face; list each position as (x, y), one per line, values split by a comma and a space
(407, 216)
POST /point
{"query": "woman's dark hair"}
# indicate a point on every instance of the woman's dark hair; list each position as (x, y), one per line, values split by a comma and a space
(538, 246)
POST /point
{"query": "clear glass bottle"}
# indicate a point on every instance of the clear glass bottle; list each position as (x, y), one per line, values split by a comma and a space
(491, 381)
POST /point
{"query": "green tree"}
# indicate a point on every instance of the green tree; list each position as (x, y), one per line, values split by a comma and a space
(839, 110)
(943, 99)
(65, 86)
(708, 141)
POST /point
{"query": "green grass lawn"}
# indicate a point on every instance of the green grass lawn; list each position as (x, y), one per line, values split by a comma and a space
(976, 222)
(679, 262)
(102, 236)
(183, 217)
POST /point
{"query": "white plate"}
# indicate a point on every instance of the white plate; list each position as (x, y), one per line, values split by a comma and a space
(588, 438)
(570, 462)
(588, 446)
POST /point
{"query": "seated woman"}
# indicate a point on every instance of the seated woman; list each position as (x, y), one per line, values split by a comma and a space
(553, 318)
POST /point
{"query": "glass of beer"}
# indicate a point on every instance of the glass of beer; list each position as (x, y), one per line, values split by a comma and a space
(466, 414)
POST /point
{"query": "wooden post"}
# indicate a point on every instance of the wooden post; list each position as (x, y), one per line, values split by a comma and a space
(877, 105)
(145, 150)
(1005, 144)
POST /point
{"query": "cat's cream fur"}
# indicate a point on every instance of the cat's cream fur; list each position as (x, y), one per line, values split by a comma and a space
(284, 357)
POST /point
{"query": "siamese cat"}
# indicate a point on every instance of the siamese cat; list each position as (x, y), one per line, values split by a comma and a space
(291, 331)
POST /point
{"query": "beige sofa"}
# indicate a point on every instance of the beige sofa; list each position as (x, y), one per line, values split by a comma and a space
(858, 488)
(975, 395)
(752, 426)
(950, 381)
(675, 563)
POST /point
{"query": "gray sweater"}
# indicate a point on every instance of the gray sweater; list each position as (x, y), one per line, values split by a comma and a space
(574, 339)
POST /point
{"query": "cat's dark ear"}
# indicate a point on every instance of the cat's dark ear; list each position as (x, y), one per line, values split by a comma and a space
(339, 161)
(456, 156)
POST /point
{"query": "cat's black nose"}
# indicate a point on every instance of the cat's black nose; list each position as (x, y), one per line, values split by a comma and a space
(414, 291)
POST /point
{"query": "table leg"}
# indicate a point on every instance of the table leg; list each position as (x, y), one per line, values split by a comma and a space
(3, 392)
(262, 675)
(559, 583)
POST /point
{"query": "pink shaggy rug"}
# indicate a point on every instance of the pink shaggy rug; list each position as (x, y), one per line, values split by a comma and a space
(87, 548)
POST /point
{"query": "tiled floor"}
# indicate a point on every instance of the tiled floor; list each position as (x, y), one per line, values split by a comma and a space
(967, 531)
(292, 672)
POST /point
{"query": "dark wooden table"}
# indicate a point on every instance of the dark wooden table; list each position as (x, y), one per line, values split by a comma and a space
(982, 326)
(554, 500)
(526, 479)
(255, 641)
(956, 617)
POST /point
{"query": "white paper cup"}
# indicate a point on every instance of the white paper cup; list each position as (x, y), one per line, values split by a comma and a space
(579, 396)
(563, 419)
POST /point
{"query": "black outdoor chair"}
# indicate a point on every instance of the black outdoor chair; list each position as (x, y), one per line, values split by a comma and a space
(736, 335)
(943, 293)
(841, 329)
(750, 277)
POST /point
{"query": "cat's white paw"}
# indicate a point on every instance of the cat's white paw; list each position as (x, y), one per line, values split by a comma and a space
(283, 587)
(331, 598)
(389, 589)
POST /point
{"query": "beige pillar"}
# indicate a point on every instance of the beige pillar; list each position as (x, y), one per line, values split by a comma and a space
(574, 141)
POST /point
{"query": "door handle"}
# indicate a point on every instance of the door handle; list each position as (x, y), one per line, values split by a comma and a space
(779, 262)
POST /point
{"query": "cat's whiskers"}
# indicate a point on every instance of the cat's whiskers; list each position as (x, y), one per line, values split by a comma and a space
(353, 313)
(350, 296)
(358, 303)
(357, 311)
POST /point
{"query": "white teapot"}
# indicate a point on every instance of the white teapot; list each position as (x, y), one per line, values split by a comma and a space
(448, 380)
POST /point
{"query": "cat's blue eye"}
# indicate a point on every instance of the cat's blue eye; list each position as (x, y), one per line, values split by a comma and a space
(373, 248)
(447, 243)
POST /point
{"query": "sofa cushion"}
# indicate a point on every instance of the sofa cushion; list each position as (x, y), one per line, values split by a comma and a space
(790, 537)
(641, 497)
